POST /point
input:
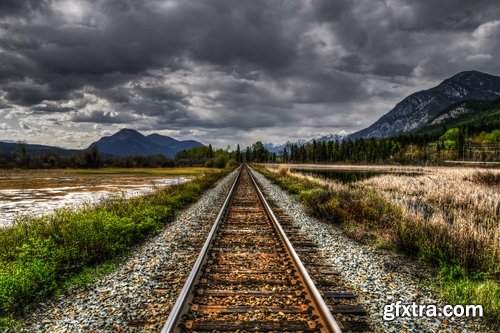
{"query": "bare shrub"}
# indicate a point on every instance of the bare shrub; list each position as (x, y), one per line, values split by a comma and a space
(283, 170)
(488, 178)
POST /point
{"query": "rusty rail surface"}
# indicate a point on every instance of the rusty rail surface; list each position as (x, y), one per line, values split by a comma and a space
(248, 276)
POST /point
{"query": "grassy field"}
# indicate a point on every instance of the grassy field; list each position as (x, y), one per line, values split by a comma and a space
(41, 256)
(446, 217)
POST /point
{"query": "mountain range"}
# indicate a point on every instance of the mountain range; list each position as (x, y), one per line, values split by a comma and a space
(421, 108)
(468, 96)
(126, 142)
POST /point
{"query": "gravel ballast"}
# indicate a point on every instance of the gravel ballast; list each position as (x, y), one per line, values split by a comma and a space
(138, 296)
(379, 277)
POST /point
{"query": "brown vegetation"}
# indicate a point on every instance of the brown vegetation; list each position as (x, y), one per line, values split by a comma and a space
(446, 217)
(449, 213)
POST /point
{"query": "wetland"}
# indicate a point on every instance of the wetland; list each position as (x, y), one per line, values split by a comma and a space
(39, 192)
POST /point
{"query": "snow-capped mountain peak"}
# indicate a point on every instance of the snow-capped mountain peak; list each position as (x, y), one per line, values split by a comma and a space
(279, 148)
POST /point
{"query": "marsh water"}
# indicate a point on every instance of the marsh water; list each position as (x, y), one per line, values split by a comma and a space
(36, 196)
(351, 176)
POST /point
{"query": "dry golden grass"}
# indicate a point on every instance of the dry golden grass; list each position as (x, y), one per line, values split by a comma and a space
(450, 201)
(456, 211)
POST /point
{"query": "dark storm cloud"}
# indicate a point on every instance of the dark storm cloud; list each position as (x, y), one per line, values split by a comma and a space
(115, 95)
(396, 37)
(20, 7)
(235, 64)
(27, 94)
(415, 15)
(133, 37)
(241, 33)
(15, 68)
(161, 93)
(327, 87)
(446, 14)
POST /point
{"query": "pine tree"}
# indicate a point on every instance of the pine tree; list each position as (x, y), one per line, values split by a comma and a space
(238, 153)
(210, 151)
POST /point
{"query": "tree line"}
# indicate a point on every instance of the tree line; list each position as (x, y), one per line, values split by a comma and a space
(21, 157)
(457, 143)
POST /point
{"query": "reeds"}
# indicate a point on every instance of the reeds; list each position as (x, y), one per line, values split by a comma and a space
(451, 213)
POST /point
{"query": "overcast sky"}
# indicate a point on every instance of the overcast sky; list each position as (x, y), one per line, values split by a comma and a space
(226, 71)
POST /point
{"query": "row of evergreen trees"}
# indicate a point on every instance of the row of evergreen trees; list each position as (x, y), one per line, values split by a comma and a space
(358, 151)
(403, 149)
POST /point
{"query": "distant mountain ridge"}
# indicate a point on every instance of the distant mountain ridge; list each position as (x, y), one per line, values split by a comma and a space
(126, 142)
(11, 147)
(424, 106)
(129, 142)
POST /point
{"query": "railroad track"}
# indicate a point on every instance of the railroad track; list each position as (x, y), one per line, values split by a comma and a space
(248, 276)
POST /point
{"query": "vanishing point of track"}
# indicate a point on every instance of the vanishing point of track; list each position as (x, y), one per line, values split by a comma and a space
(249, 278)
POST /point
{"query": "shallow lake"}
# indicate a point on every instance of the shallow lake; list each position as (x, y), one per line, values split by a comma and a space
(42, 195)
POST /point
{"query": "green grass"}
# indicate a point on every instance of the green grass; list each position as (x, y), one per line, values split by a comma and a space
(366, 216)
(91, 274)
(458, 287)
(42, 256)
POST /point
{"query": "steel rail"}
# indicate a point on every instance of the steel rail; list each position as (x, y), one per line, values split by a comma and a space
(173, 322)
(182, 301)
(324, 312)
